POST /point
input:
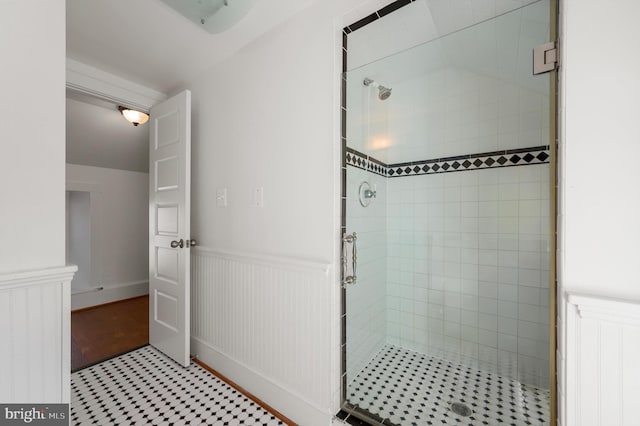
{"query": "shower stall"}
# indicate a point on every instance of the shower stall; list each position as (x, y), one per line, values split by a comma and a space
(447, 214)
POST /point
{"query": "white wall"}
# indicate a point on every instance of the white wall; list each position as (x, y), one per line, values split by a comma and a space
(598, 221)
(35, 352)
(32, 124)
(265, 119)
(119, 232)
(79, 237)
(269, 117)
(600, 125)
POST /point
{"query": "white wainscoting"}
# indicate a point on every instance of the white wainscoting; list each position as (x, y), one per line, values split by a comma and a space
(602, 382)
(266, 323)
(35, 336)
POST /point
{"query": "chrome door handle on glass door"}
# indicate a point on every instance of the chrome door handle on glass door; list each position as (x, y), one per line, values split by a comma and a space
(346, 240)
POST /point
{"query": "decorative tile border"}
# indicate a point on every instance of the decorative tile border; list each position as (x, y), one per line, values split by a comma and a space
(485, 160)
(357, 159)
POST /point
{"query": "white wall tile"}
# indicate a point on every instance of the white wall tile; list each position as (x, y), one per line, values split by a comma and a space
(508, 275)
(469, 302)
(488, 338)
(469, 318)
(472, 276)
(529, 295)
(508, 326)
(488, 289)
(508, 309)
(508, 293)
(471, 238)
(488, 322)
(508, 342)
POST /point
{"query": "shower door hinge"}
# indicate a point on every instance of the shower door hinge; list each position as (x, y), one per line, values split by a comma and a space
(545, 58)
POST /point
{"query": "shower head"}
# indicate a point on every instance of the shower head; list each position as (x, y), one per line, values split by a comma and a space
(383, 92)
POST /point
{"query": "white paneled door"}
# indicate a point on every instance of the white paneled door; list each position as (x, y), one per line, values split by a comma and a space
(169, 228)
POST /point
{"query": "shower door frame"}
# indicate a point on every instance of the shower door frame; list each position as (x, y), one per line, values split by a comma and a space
(553, 166)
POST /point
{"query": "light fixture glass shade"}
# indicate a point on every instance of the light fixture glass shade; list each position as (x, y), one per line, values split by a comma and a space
(214, 16)
(134, 117)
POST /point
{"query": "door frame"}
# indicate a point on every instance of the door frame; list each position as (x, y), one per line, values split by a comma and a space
(95, 207)
(91, 81)
(85, 79)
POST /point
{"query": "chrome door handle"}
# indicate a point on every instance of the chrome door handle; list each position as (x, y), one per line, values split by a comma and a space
(191, 243)
(346, 278)
(176, 244)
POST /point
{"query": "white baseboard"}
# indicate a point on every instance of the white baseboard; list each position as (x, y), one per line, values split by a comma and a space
(287, 403)
(109, 294)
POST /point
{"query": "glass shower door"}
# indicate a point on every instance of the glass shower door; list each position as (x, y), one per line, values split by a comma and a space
(447, 185)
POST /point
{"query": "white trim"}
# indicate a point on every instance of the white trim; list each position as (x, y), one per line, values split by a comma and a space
(103, 85)
(66, 341)
(298, 408)
(605, 309)
(108, 294)
(95, 213)
(596, 331)
(37, 277)
(336, 289)
(264, 259)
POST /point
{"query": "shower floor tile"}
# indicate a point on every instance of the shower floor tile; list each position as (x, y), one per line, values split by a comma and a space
(144, 387)
(409, 388)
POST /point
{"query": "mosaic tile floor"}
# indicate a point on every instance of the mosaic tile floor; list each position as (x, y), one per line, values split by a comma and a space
(409, 388)
(144, 387)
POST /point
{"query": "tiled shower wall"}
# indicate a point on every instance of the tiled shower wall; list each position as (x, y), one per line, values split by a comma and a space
(468, 268)
(366, 318)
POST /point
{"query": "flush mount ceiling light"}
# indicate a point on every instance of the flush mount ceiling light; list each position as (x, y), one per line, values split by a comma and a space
(213, 16)
(134, 117)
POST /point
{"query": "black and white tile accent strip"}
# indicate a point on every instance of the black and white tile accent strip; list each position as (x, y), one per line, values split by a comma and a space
(362, 161)
(392, 7)
(144, 387)
(403, 387)
(486, 160)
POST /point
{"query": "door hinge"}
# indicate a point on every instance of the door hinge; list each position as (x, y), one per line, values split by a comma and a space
(545, 58)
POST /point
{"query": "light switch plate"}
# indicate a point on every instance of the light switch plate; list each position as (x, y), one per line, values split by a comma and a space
(221, 197)
(258, 197)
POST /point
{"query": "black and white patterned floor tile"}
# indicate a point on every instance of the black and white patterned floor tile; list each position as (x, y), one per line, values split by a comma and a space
(409, 388)
(144, 387)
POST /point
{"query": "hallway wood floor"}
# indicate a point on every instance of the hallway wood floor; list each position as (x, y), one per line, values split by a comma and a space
(104, 331)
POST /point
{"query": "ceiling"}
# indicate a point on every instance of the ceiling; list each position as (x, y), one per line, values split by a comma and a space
(98, 136)
(148, 43)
